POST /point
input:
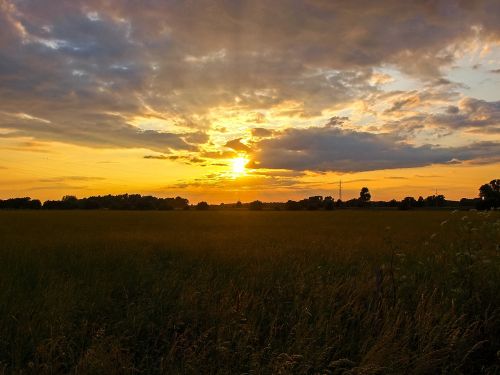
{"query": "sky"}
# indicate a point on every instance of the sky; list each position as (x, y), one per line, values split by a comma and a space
(226, 100)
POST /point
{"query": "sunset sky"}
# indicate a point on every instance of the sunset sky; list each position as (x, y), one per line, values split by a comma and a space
(241, 100)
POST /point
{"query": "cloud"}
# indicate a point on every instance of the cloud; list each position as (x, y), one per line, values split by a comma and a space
(237, 145)
(72, 178)
(218, 154)
(334, 149)
(185, 159)
(80, 71)
(98, 130)
(161, 157)
(428, 176)
(66, 187)
(30, 146)
(253, 182)
(470, 113)
(261, 132)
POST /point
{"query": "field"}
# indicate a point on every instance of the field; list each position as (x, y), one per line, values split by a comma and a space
(224, 292)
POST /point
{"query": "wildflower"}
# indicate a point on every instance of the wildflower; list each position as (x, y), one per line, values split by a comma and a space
(433, 235)
(443, 222)
(454, 212)
(464, 218)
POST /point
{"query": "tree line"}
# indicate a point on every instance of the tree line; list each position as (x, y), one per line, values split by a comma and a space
(109, 202)
(488, 198)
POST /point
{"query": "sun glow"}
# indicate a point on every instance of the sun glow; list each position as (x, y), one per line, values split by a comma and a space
(238, 165)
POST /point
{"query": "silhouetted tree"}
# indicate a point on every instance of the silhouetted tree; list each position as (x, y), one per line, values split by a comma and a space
(202, 206)
(328, 203)
(392, 203)
(468, 203)
(118, 202)
(407, 203)
(256, 205)
(435, 201)
(420, 202)
(292, 205)
(312, 203)
(490, 195)
(364, 197)
(69, 202)
(25, 203)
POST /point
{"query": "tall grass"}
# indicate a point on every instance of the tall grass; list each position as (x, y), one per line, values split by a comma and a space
(249, 292)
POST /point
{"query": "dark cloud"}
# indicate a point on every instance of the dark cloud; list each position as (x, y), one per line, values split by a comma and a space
(218, 154)
(471, 113)
(337, 121)
(196, 138)
(161, 157)
(261, 132)
(399, 104)
(279, 173)
(334, 149)
(182, 158)
(98, 130)
(237, 145)
(403, 102)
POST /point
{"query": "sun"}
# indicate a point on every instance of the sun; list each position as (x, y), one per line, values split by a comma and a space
(238, 165)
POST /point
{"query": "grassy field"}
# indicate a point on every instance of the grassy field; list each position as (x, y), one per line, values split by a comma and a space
(354, 292)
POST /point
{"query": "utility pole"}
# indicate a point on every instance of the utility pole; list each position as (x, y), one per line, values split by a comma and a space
(340, 190)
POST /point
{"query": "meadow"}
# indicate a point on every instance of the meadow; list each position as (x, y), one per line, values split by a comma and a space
(242, 292)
